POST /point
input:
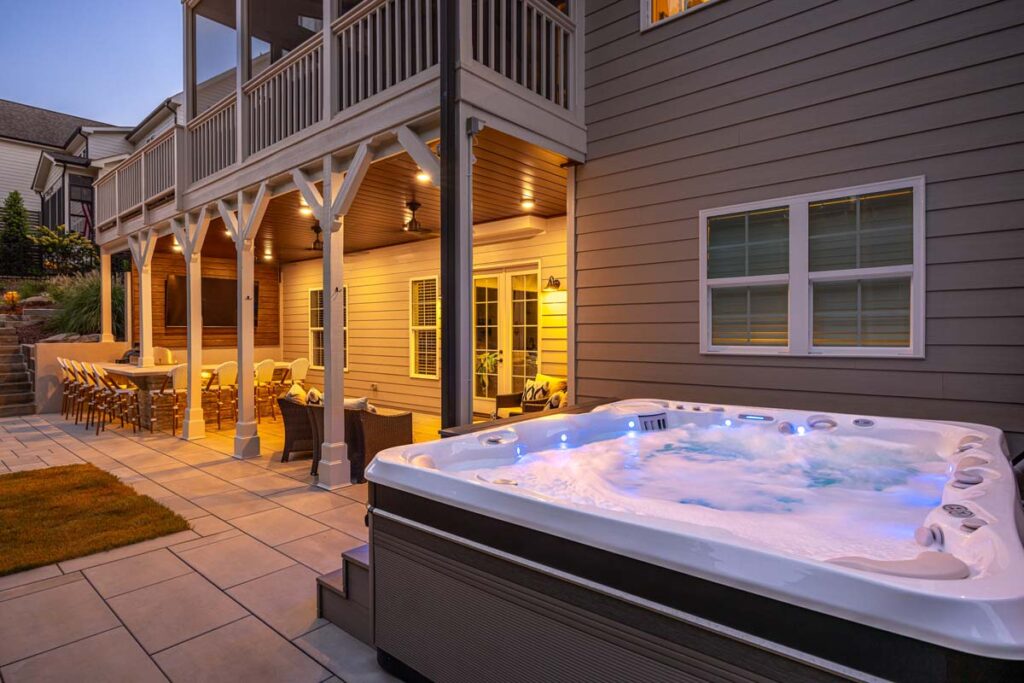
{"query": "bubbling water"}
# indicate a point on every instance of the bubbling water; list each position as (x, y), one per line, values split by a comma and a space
(818, 495)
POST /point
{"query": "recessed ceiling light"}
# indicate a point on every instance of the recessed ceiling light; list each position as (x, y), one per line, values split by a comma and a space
(527, 203)
(305, 211)
(268, 256)
(423, 176)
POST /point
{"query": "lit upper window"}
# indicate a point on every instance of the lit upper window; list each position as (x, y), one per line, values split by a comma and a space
(657, 11)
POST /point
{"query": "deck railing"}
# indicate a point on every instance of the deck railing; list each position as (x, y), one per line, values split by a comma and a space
(382, 43)
(530, 42)
(211, 137)
(143, 178)
(106, 198)
(287, 97)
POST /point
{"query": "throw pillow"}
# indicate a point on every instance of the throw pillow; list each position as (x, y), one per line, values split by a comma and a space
(357, 403)
(296, 393)
(536, 390)
(314, 397)
(557, 400)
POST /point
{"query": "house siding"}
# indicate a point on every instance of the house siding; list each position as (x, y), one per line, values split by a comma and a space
(17, 168)
(747, 100)
(378, 316)
(103, 145)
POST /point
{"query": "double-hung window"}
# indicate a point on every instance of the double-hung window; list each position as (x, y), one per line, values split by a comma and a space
(316, 326)
(654, 12)
(424, 319)
(829, 273)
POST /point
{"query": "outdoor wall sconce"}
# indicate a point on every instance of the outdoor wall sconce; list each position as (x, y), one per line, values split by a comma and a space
(318, 242)
(552, 285)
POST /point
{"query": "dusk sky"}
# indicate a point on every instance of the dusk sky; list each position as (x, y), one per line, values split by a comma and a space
(109, 60)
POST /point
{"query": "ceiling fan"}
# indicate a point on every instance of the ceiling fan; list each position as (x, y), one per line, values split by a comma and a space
(413, 226)
(316, 245)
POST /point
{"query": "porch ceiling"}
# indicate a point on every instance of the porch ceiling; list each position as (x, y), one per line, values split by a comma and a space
(506, 170)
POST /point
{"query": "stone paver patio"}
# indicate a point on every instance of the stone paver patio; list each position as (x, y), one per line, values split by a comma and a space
(232, 599)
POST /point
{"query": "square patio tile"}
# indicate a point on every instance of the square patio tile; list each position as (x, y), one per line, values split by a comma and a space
(285, 599)
(231, 469)
(235, 560)
(136, 572)
(112, 657)
(170, 612)
(347, 657)
(29, 576)
(208, 525)
(246, 650)
(267, 483)
(80, 563)
(199, 485)
(309, 500)
(278, 525)
(321, 552)
(28, 624)
(356, 492)
(233, 504)
(348, 518)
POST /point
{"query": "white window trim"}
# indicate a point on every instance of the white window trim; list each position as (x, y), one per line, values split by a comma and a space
(800, 280)
(311, 329)
(647, 22)
(413, 328)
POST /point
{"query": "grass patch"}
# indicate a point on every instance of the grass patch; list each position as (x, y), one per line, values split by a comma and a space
(59, 513)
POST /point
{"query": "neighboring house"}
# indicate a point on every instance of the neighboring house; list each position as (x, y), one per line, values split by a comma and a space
(798, 204)
(31, 137)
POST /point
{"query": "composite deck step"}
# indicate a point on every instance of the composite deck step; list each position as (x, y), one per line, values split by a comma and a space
(17, 398)
(343, 596)
(18, 410)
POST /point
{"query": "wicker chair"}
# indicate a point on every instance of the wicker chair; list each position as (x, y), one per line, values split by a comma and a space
(298, 432)
(366, 434)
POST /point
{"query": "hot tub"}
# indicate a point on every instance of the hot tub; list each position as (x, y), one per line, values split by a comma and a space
(701, 540)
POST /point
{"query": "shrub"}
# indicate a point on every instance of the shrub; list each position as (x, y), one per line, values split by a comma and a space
(63, 252)
(78, 300)
(18, 255)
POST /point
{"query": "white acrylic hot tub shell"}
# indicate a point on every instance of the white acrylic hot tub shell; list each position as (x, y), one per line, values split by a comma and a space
(982, 615)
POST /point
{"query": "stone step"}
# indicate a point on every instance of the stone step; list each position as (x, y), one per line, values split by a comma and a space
(17, 398)
(16, 366)
(7, 349)
(18, 409)
(343, 597)
(11, 358)
(15, 388)
(11, 377)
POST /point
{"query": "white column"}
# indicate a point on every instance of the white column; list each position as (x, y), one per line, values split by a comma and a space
(335, 469)
(243, 223)
(191, 233)
(247, 438)
(106, 305)
(142, 245)
(128, 318)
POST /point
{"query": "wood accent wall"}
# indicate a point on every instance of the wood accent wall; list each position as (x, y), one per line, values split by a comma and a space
(749, 100)
(268, 329)
(378, 295)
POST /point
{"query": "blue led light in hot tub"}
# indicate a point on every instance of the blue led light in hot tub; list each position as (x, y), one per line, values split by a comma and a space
(631, 424)
(801, 430)
(728, 423)
(564, 437)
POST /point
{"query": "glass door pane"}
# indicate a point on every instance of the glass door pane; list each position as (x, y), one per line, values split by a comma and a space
(486, 341)
(525, 328)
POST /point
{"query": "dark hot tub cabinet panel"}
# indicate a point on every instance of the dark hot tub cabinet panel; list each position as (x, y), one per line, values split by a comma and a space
(459, 596)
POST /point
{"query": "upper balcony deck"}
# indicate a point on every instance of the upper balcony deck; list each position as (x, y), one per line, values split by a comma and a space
(366, 72)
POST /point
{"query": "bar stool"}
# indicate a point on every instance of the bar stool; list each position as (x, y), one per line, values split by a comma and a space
(263, 390)
(121, 400)
(171, 396)
(223, 386)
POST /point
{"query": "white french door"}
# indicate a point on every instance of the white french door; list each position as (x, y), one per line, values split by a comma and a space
(506, 333)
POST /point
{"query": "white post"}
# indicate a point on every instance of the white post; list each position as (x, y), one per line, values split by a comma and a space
(335, 469)
(243, 222)
(106, 315)
(191, 233)
(128, 332)
(142, 245)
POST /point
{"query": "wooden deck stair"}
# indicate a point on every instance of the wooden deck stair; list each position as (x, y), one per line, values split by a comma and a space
(16, 395)
(343, 597)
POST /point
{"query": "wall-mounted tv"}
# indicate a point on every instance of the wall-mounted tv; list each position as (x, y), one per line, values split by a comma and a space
(219, 309)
